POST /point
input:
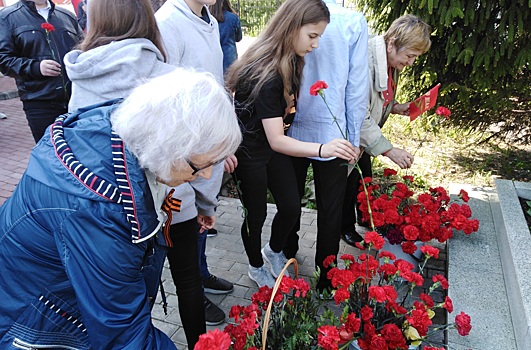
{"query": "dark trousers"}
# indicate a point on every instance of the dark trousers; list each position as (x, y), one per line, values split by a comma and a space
(330, 178)
(42, 115)
(184, 266)
(351, 211)
(258, 171)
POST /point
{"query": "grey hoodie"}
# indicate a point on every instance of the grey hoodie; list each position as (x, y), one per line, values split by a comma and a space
(112, 71)
(190, 42)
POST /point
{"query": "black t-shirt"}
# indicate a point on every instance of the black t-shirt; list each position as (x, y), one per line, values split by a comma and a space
(270, 103)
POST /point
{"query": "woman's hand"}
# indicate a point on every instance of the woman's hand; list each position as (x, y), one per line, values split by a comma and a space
(340, 148)
(400, 108)
(230, 164)
(205, 222)
(402, 158)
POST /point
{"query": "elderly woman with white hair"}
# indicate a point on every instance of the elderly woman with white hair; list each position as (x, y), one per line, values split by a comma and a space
(81, 244)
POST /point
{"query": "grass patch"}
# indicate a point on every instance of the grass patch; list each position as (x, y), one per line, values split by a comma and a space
(455, 155)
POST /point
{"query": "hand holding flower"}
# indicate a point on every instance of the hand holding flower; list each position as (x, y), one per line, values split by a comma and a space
(50, 68)
(339, 148)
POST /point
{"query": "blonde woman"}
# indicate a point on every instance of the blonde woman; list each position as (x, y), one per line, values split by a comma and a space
(407, 38)
(265, 80)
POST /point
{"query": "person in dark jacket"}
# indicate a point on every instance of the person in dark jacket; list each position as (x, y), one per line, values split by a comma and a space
(230, 30)
(35, 35)
(81, 247)
(82, 14)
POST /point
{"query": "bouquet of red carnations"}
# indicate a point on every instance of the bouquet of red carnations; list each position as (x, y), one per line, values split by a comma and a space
(382, 310)
(403, 218)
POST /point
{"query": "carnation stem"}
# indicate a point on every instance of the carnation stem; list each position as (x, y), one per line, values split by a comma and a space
(333, 116)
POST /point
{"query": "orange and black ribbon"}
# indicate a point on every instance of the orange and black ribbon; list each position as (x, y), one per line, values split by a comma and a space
(170, 205)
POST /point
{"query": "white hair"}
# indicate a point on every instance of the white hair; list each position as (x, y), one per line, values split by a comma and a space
(175, 116)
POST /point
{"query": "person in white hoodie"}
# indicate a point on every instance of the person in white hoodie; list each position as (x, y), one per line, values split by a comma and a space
(191, 40)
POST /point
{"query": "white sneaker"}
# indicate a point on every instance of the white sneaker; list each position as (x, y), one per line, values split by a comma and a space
(261, 276)
(277, 261)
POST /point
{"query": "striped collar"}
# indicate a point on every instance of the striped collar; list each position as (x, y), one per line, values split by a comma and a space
(122, 193)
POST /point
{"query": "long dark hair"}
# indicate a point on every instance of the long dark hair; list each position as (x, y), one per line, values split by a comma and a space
(114, 20)
(217, 9)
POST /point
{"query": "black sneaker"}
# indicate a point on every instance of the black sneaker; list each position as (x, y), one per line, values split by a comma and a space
(217, 285)
(351, 238)
(213, 314)
(365, 224)
(212, 232)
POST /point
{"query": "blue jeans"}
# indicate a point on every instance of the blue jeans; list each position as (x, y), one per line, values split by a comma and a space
(201, 246)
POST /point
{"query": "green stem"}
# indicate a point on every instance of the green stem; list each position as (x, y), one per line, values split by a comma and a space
(240, 195)
(332, 114)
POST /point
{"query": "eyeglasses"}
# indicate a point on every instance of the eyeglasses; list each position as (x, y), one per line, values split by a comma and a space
(197, 169)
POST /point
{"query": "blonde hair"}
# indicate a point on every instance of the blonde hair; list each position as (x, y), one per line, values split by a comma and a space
(409, 32)
(273, 52)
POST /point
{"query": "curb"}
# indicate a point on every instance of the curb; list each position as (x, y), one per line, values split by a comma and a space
(7, 95)
(515, 243)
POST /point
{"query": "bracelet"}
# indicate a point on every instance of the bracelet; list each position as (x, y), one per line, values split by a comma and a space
(320, 147)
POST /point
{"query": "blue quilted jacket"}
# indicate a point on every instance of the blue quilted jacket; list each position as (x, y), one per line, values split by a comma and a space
(80, 248)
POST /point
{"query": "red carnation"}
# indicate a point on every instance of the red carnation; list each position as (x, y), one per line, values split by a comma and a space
(341, 294)
(215, 339)
(393, 336)
(377, 293)
(409, 247)
(329, 260)
(431, 251)
(386, 254)
(316, 88)
(441, 279)
(411, 233)
(366, 313)
(463, 323)
(352, 324)
(427, 300)
(464, 195)
(420, 320)
(48, 27)
(374, 238)
(328, 337)
(408, 178)
(443, 111)
(448, 305)
(389, 172)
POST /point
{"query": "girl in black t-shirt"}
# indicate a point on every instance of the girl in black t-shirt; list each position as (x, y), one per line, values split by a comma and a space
(264, 81)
